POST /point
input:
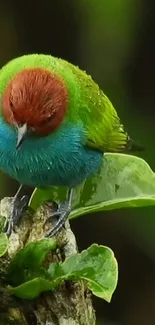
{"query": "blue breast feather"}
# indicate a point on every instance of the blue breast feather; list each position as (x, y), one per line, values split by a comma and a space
(59, 159)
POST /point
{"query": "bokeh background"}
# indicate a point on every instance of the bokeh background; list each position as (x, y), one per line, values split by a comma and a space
(114, 41)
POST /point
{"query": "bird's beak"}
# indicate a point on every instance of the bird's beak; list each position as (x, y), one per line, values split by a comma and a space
(22, 132)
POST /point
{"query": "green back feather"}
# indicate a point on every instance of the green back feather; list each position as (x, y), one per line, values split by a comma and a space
(88, 105)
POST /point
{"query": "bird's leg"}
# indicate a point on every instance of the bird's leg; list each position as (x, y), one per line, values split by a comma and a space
(62, 213)
(18, 204)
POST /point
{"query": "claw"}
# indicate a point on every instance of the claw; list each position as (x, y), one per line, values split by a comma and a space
(62, 214)
(18, 205)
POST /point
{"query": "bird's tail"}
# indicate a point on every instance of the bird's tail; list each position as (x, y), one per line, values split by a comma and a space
(121, 142)
(132, 146)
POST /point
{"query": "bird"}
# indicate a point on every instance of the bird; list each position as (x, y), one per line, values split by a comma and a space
(55, 126)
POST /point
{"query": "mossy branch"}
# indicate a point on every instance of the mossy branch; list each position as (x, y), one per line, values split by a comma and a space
(70, 303)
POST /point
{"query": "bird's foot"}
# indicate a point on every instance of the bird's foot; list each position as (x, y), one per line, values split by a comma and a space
(62, 213)
(18, 205)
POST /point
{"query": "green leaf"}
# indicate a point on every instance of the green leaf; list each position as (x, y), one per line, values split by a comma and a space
(28, 261)
(31, 289)
(3, 244)
(123, 181)
(97, 265)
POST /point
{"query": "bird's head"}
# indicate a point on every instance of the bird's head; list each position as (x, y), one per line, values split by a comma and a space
(34, 102)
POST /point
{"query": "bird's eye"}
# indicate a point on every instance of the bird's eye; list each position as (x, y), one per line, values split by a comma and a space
(11, 105)
(13, 111)
(45, 121)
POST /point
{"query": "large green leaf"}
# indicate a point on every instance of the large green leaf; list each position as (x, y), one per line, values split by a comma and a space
(97, 265)
(123, 181)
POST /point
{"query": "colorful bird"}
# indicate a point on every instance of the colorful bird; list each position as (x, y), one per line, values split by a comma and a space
(55, 126)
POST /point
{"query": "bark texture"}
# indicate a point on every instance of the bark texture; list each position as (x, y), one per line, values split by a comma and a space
(70, 303)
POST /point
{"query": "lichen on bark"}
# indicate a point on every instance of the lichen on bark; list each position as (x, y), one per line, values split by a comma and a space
(70, 303)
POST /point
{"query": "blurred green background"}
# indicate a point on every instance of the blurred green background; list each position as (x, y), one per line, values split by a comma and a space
(114, 41)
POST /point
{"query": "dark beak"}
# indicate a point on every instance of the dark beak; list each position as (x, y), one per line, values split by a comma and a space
(22, 132)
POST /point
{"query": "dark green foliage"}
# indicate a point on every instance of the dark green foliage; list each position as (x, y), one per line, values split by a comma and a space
(97, 265)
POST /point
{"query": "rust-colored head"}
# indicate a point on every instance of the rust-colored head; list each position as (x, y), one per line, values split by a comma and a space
(37, 98)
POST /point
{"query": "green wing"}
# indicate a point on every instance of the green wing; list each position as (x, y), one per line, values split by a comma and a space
(100, 119)
(108, 133)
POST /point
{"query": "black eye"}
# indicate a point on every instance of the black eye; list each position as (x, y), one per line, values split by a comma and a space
(11, 105)
(45, 121)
